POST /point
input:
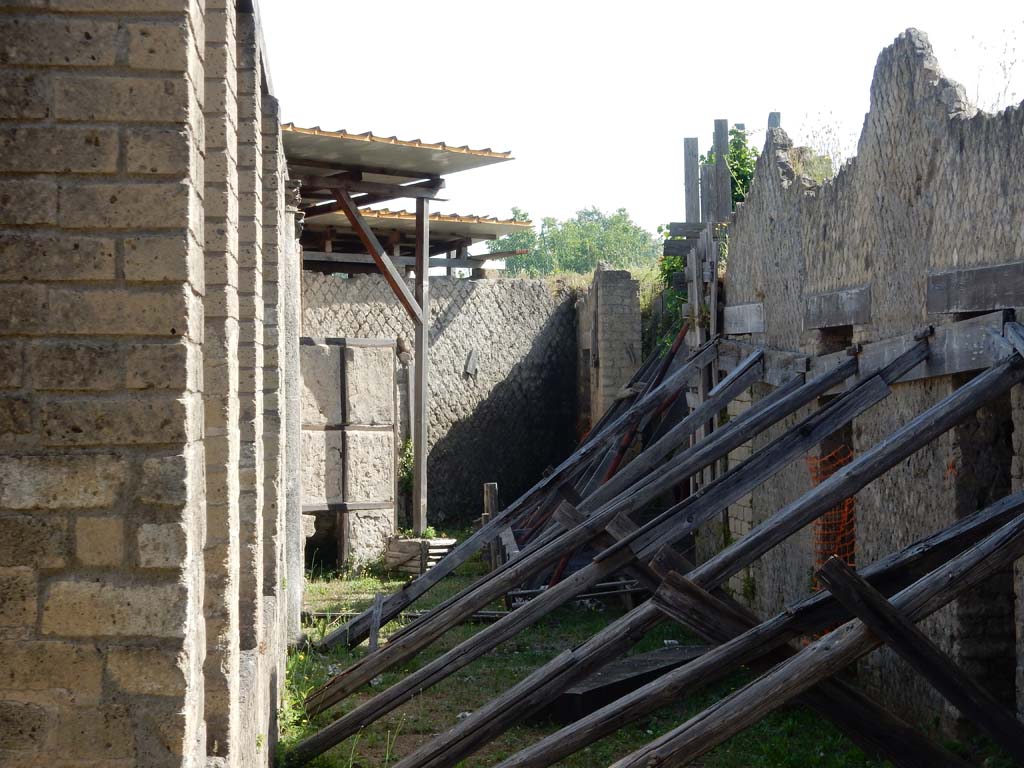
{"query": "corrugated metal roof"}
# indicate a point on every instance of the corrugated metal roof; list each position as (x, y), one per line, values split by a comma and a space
(478, 227)
(413, 157)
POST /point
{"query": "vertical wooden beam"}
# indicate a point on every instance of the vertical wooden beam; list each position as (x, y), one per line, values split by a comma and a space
(691, 179)
(421, 395)
(490, 511)
(723, 177)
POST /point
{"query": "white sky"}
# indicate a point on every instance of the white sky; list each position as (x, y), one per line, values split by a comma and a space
(594, 97)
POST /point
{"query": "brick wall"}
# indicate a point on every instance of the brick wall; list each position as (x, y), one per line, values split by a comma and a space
(126, 598)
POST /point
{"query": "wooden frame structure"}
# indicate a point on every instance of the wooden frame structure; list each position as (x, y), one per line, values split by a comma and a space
(343, 174)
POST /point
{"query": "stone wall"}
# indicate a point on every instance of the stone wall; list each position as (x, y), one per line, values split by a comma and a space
(935, 185)
(144, 254)
(608, 341)
(349, 460)
(502, 376)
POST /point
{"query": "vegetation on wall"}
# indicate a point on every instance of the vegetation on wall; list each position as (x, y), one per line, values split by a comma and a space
(578, 244)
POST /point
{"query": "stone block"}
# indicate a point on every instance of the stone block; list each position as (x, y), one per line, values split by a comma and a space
(23, 308)
(139, 312)
(41, 665)
(321, 384)
(38, 541)
(122, 421)
(18, 590)
(164, 151)
(146, 671)
(156, 45)
(99, 541)
(10, 365)
(23, 726)
(155, 366)
(74, 366)
(369, 385)
(24, 202)
(322, 466)
(369, 465)
(366, 535)
(119, 99)
(15, 416)
(164, 481)
(96, 733)
(24, 95)
(140, 205)
(162, 546)
(57, 41)
(104, 609)
(162, 259)
(61, 482)
(58, 149)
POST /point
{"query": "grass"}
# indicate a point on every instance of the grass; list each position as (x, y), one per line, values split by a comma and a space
(790, 738)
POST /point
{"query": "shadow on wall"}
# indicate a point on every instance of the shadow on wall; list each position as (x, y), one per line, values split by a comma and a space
(524, 425)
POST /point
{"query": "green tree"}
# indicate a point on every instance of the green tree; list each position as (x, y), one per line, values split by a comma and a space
(578, 244)
(741, 161)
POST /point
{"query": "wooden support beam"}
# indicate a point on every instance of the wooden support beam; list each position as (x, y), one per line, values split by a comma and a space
(808, 617)
(723, 176)
(421, 391)
(380, 256)
(903, 636)
(829, 655)
(419, 190)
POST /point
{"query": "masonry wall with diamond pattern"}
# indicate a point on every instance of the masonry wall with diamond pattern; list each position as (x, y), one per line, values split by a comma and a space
(503, 423)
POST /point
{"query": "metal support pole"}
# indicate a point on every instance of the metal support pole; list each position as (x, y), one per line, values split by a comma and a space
(421, 395)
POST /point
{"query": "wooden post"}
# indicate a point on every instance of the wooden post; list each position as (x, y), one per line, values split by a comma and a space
(490, 510)
(774, 119)
(421, 395)
(723, 177)
(378, 602)
(691, 179)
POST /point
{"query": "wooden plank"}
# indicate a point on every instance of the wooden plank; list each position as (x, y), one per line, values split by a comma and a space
(690, 229)
(830, 654)
(743, 318)
(378, 602)
(969, 345)
(903, 636)
(490, 511)
(691, 179)
(976, 289)
(779, 366)
(420, 190)
(509, 544)
(849, 306)
(375, 249)
(421, 392)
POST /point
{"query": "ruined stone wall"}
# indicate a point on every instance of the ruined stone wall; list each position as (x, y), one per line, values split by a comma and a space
(935, 185)
(132, 236)
(506, 421)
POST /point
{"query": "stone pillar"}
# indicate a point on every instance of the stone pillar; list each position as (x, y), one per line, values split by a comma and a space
(101, 450)
(615, 336)
(250, 385)
(220, 376)
(292, 297)
(368, 399)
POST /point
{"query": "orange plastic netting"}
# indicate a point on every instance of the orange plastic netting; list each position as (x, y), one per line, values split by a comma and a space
(835, 532)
